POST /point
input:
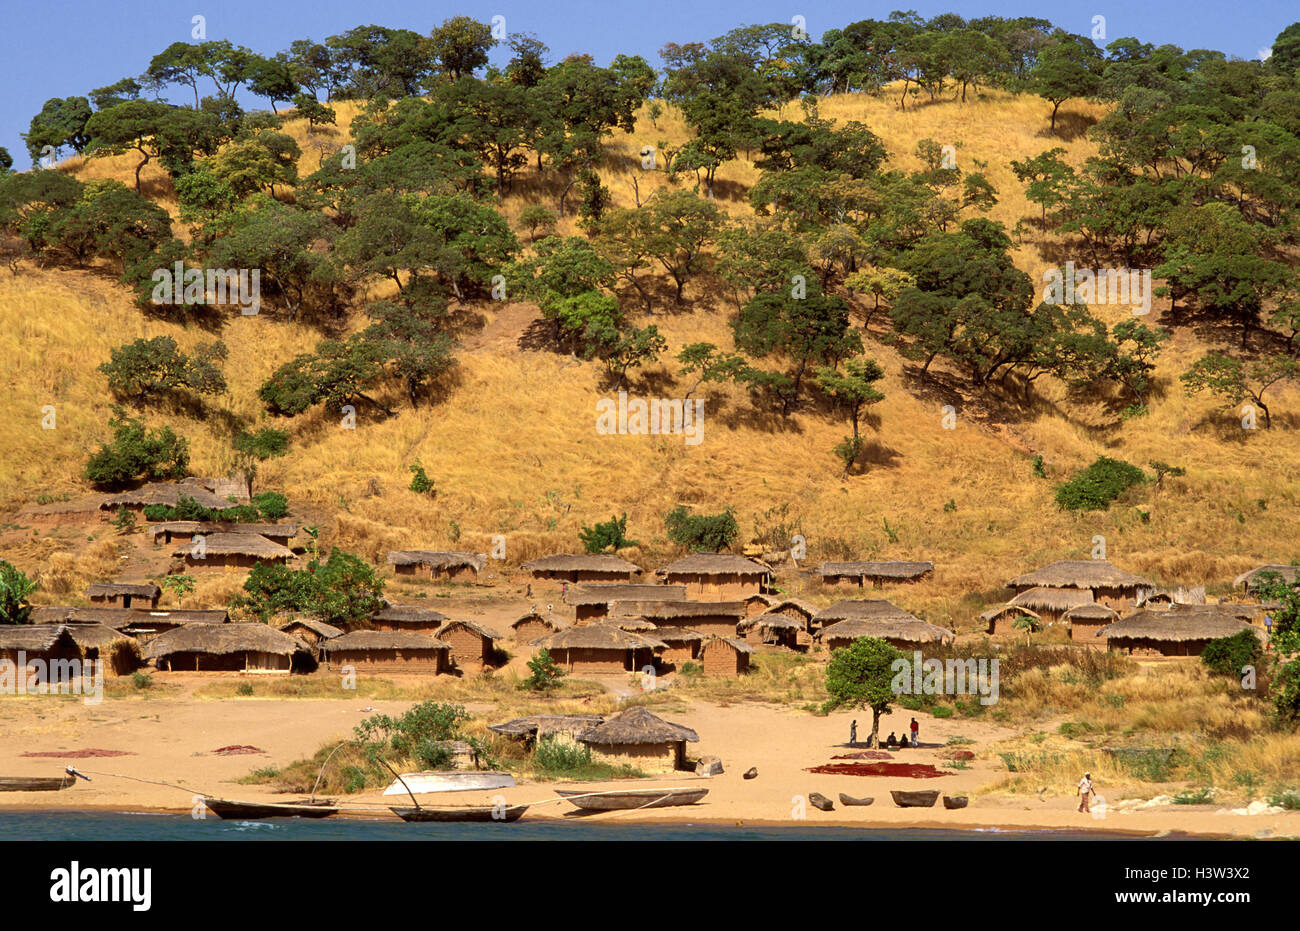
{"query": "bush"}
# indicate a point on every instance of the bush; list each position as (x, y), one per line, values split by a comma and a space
(1226, 656)
(342, 591)
(555, 756)
(546, 674)
(15, 587)
(271, 505)
(136, 452)
(610, 535)
(421, 484)
(141, 681)
(244, 689)
(710, 533)
(1094, 488)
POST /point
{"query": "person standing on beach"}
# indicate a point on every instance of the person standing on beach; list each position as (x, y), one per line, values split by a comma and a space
(916, 731)
(853, 733)
(1085, 792)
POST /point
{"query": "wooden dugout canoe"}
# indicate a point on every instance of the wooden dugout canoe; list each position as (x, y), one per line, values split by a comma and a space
(35, 783)
(462, 813)
(920, 798)
(632, 798)
(959, 801)
(232, 810)
(849, 800)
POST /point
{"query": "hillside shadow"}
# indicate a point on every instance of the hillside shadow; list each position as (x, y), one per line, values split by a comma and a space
(1070, 125)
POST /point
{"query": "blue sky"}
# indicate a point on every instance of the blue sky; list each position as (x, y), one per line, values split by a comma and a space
(57, 48)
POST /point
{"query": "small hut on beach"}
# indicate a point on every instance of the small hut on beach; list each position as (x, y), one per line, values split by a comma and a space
(1181, 631)
(472, 644)
(571, 568)
(779, 630)
(592, 602)
(877, 573)
(535, 624)
(438, 564)
(600, 649)
(1086, 620)
(388, 651)
(409, 618)
(717, 618)
(641, 740)
(124, 594)
(562, 728)
(725, 656)
(232, 551)
(1105, 583)
(717, 576)
(224, 648)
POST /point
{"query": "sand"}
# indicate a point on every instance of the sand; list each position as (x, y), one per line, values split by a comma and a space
(172, 739)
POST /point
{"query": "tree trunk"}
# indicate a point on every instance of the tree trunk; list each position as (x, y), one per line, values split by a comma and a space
(875, 728)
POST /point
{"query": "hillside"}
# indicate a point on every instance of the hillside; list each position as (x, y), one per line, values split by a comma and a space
(513, 450)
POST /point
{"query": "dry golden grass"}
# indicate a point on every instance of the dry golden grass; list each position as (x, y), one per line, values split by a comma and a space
(513, 448)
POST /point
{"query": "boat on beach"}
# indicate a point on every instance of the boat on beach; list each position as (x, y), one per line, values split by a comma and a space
(452, 780)
(919, 798)
(849, 800)
(35, 783)
(959, 801)
(233, 810)
(462, 813)
(629, 799)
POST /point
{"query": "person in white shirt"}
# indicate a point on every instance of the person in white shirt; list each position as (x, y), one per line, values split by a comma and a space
(1085, 792)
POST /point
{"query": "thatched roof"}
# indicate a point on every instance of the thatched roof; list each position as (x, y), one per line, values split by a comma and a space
(1091, 612)
(408, 614)
(437, 559)
(1192, 622)
(911, 629)
(673, 609)
(546, 723)
(740, 646)
(876, 609)
(222, 639)
(111, 589)
(765, 600)
(637, 726)
(671, 635)
(177, 617)
(1248, 579)
(582, 562)
(1051, 599)
(553, 621)
(168, 493)
(884, 571)
(794, 607)
(1079, 573)
(363, 640)
(994, 613)
(634, 623)
(238, 544)
(97, 636)
(34, 638)
(223, 526)
(772, 621)
(319, 628)
(126, 617)
(716, 564)
(597, 594)
(472, 626)
(597, 637)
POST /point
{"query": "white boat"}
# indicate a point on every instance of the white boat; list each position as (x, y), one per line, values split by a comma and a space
(451, 780)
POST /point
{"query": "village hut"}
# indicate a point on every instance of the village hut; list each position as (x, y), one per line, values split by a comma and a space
(409, 618)
(124, 594)
(1001, 620)
(683, 645)
(183, 531)
(535, 624)
(725, 656)
(164, 493)
(232, 551)
(437, 564)
(878, 619)
(757, 604)
(1050, 604)
(472, 644)
(1249, 582)
(37, 653)
(310, 631)
(140, 623)
(717, 576)
(592, 602)
(388, 651)
(1106, 583)
(561, 728)
(600, 649)
(715, 618)
(856, 609)
(224, 648)
(641, 740)
(1086, 620)
(639, 625)
(779, 630)
(567, 567)
(1181, 631)
(95, 642)
(877, 573)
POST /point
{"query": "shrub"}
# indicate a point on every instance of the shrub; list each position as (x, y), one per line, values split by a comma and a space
(136, 452)
(1226, 656)
(15, 587)
(271, 505)
(555, 756)
(702, 532)
(1094, 488)
(421, 484)
(545, 673)
(141, 681)
(244, 688)
(610, 535)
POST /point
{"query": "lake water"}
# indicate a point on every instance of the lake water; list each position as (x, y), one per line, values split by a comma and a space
(120, 826)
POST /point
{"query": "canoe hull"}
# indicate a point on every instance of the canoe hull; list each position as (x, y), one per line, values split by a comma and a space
(924, 798)
(633, 798)
(230, 810)
(849, 800)
(35, 783)
(960, 801)
(467, 813)
(450, 781)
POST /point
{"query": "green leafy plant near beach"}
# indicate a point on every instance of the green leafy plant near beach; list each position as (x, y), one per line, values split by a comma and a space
(562, 760)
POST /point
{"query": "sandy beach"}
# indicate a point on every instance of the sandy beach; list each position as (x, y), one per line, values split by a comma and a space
(174, 738)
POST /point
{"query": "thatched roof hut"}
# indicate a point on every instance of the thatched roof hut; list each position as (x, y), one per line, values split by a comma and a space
(1002, 619)
(774, 629)
(388, 651)
(904, 632)
(407, 617)
(1051, 603)
(173, 530)
(582, 567)
(535, 624)
(875, 571)
(471, 643)
(309, 630)
(1101, 579)
(137, 622)
(1249, 580)
(875, 609)
(537, 726)
(636, 725)
(34, 639)
(1182, 631)
(224, 647)
(718, 618)
(634, 623)
(600, 648)
(725, 656)
(757, 603)
(1085, 620)
(718, 576)
(592, 601)
(683, 644)
(796, 608)
(94, 636)
(432, 564)
(123, 594)
(166, 493)
(233, 550)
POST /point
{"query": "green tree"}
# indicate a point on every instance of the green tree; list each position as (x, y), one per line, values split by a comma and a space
(1067, 68)
(853, 389)
(709, 533)
(15, 588)
(861, 675)
(61, 122)
(708, 364)
(178, 585)
(1234, 381)
(610, 535)
(544, 673)
(461, 45)
(137, 452)
(149, 368)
